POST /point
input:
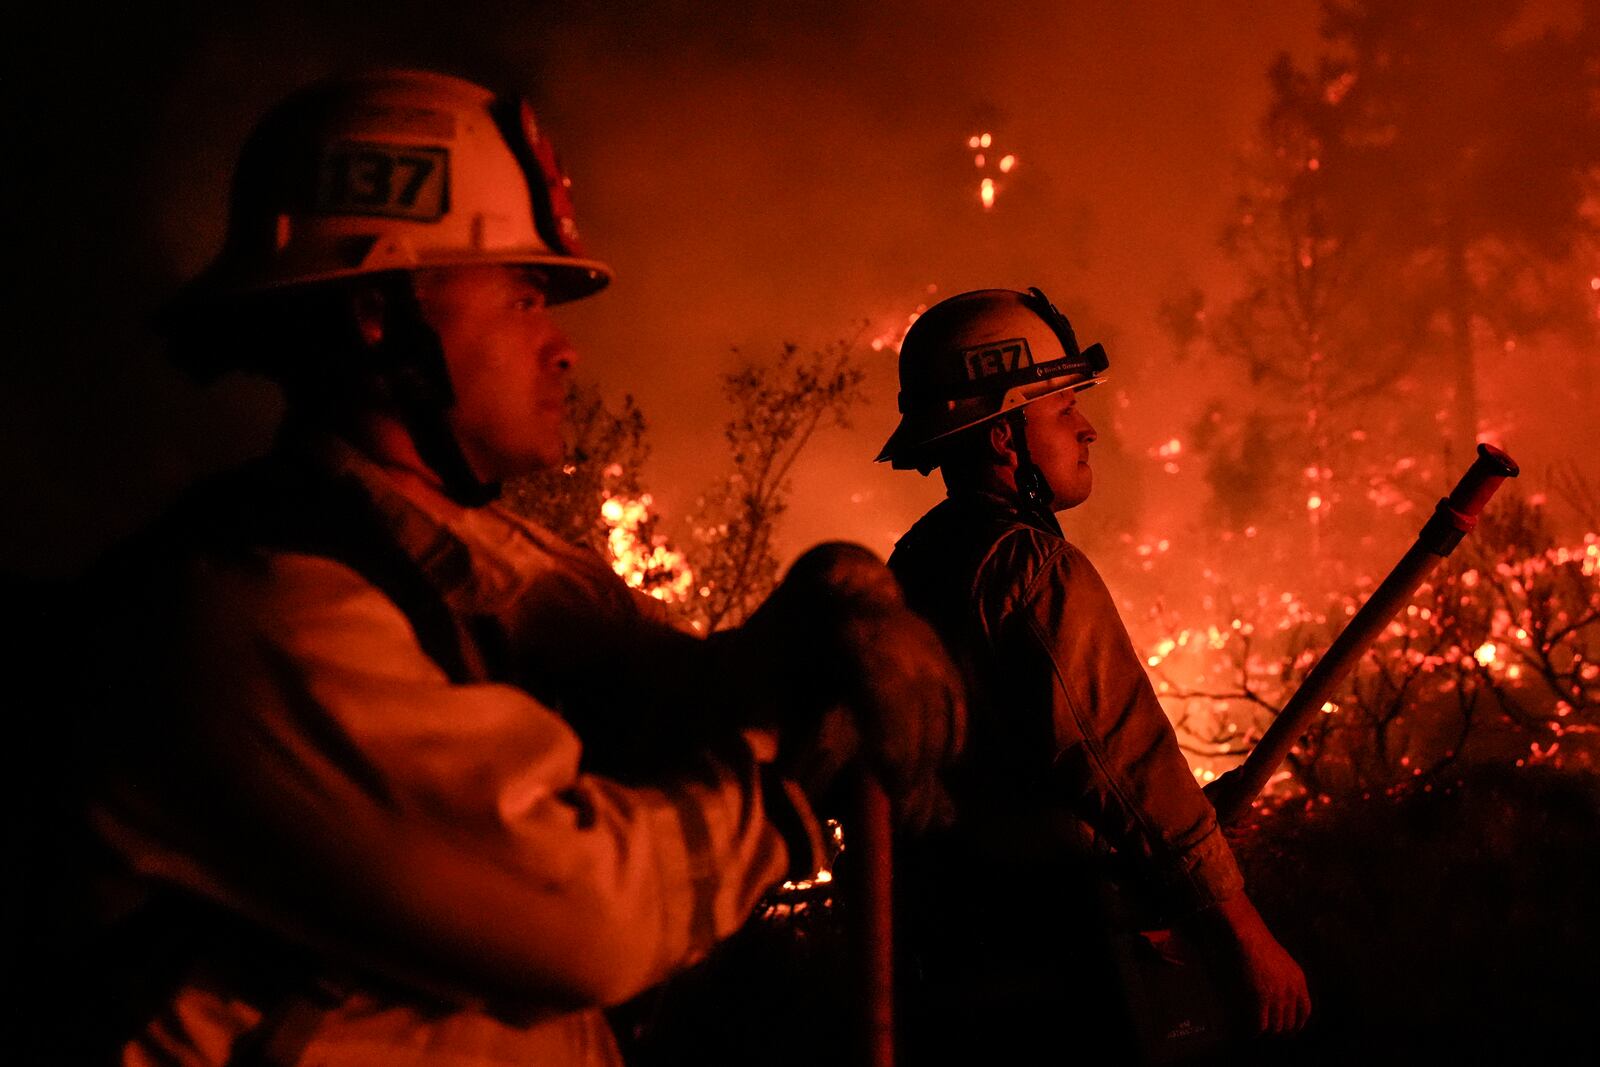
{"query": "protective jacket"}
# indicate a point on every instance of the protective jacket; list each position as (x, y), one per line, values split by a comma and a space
(342, 736)
(1069, 758)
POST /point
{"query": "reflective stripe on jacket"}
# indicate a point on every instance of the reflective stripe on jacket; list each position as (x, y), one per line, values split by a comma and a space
(353, 736)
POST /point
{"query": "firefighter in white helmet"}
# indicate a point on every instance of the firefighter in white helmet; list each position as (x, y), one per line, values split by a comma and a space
(341, 768)
(1069, 753)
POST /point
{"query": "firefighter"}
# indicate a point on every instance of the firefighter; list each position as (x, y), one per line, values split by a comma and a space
(1069, 754)
(342, 695)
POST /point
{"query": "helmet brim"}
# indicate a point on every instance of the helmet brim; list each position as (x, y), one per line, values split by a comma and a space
(907, 448)
(214, 288)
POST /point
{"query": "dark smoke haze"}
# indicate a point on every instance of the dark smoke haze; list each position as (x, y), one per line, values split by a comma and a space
(760, 174)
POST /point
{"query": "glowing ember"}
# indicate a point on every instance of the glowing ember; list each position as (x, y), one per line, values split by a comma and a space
(894, 337)
(1006, 163)
(1533, 616)
(824, 875)
(986, 193)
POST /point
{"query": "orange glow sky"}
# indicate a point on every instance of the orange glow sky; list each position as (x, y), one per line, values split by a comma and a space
(798, 173)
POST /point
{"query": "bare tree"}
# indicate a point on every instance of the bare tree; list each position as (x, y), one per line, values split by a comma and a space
(1497, 662)
(778, 407)
(596, 497)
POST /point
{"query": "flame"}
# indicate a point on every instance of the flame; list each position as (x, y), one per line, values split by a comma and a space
(644, 560)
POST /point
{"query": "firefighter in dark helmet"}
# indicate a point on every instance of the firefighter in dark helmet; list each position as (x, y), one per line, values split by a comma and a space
(1070, 758)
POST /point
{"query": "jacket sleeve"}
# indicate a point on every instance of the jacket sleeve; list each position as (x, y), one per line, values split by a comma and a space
(1117, 757)
(314, 769)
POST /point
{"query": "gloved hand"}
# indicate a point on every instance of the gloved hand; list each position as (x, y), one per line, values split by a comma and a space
(1224, 792)
(868, 681)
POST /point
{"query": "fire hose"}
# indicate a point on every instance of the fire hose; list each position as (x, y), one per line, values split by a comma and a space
(1453, 518)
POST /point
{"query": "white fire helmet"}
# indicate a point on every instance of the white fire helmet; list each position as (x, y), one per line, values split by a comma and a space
(396, 170)
(977, 355)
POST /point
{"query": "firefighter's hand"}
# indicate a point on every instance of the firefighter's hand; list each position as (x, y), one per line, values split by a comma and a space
(1276, 985)
(1224, 792)
(878, 683)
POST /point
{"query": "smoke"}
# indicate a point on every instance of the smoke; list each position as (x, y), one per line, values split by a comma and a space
(797, 173)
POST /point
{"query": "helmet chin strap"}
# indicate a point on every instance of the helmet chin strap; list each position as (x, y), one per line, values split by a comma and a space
(1034, 495)
(414, 371)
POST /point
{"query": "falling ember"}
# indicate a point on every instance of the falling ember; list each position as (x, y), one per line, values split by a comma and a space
(981, 159)
(1313, 502)
(1485, 653)
(1329, 707)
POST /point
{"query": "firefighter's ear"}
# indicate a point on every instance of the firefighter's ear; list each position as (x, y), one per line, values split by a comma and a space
(1002, 448)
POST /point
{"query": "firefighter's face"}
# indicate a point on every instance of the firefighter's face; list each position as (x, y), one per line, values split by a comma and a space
(1059, 436)
(508, 365)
